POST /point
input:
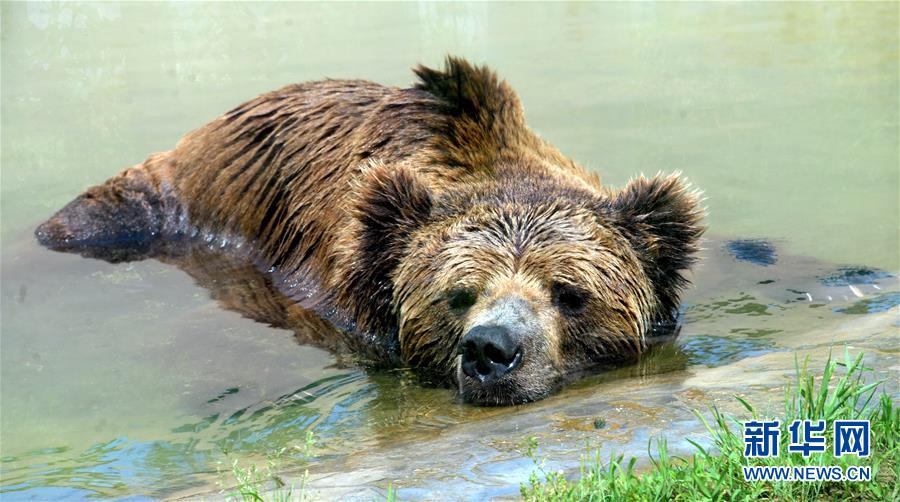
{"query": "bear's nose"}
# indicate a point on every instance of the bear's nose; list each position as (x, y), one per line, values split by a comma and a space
(489, 352)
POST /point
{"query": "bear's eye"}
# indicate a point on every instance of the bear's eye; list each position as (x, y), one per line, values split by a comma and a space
(569, 299)
(461, 299)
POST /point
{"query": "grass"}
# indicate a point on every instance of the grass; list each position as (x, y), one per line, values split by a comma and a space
(252, 484)
(716, 473)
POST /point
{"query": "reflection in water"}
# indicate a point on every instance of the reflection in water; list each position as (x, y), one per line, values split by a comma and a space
(236, 282)
(357, 411)
(719, 351)
(880, 303)
(847, 276)
(756, 251)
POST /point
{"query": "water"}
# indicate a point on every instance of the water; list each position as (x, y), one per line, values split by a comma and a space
(129, 379)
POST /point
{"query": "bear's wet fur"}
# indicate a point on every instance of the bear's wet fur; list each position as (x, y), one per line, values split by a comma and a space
(421, 215)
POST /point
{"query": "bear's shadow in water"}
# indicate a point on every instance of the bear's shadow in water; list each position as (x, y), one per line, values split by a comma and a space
(236, 280)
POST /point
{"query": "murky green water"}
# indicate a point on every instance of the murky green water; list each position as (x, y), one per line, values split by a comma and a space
(128, 379)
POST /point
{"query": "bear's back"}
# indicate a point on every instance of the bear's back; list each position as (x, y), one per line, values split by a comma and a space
(276, 170)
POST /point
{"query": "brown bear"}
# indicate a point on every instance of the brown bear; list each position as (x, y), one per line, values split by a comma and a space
(430, 223)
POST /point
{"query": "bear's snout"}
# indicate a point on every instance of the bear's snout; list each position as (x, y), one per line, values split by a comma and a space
(490, 352)
(504, 353)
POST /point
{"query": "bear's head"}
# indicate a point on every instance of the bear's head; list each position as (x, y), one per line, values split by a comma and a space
(518, 276)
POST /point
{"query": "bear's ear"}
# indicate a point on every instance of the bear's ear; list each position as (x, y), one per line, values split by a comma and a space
(479, 113)
(390, 203)
(661, 216)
